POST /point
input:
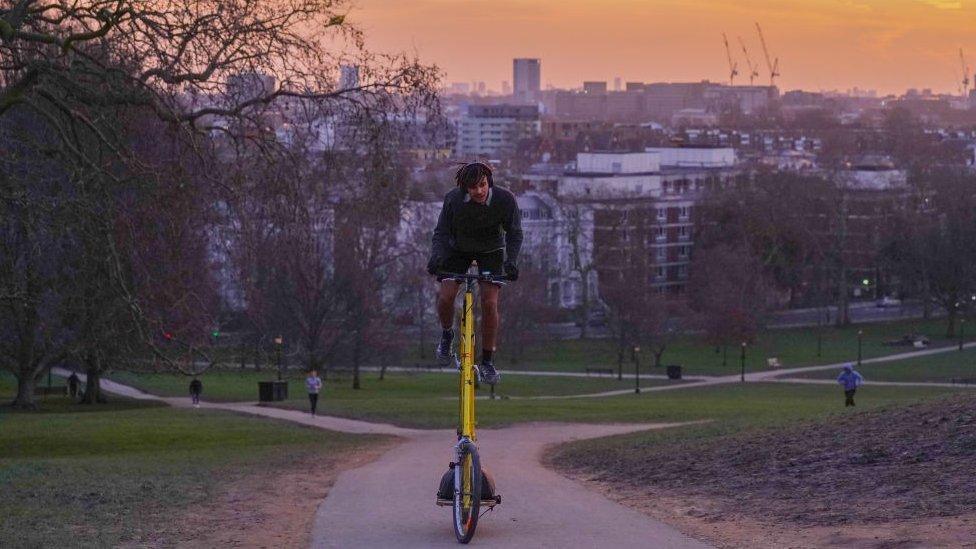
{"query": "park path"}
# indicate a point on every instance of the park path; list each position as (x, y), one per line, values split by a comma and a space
(540, 508)
(879, 383)
(390, 502)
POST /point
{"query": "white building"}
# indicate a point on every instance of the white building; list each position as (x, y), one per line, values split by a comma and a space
(643, 203)
(491, 130)
(558, 241)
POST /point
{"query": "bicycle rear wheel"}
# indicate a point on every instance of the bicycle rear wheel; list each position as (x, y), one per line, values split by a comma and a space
(467, 493)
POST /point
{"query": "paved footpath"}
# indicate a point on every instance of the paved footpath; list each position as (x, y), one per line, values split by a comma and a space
(390, 502)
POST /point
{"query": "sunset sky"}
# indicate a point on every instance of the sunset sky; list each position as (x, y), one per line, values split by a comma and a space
(888, 45)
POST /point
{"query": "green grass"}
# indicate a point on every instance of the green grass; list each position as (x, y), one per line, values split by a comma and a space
(123, 473)
(793, 347)
(230, 386)
(940, 368)
(733, 403)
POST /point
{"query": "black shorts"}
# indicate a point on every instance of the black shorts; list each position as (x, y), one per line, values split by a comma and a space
(488, 262)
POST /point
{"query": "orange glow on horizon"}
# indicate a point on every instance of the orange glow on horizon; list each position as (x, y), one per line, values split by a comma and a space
(887, 45)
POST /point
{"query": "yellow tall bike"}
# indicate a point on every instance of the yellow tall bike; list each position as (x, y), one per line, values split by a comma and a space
(469, 484)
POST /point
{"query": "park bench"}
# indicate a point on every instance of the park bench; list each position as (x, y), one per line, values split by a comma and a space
(608, 371)
(53, 390)
(773, 362)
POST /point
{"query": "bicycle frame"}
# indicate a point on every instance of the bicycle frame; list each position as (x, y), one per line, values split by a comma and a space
(466, 412)
(466, 388)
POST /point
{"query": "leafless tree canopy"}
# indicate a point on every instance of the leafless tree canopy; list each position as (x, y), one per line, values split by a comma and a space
(118, 123)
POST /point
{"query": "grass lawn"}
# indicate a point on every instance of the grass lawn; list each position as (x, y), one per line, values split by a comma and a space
(940, 368)
(733, 404)
(429, 400)
(235, 386)
(793, 347)
(123, 473)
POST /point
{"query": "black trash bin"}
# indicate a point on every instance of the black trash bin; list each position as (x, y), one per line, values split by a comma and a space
(674, 371)
(281, 390)
(270, 391)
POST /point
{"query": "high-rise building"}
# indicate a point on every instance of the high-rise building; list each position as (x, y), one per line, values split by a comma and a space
(506, 88)
(526, 74)
(616, 84)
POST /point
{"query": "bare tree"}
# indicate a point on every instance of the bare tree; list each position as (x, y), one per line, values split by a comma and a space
(83, 72)
(933, 245)
(727, 290)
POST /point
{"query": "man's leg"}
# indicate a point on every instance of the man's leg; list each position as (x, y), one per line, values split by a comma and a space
(445, 303)
(490, 318)
(445, 313)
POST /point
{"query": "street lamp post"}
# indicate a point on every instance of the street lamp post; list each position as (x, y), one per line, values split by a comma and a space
(637, 370)
(860, 338)
(278, 342)
(742, 362)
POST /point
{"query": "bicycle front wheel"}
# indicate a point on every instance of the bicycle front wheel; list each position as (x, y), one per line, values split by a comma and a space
(467, 493)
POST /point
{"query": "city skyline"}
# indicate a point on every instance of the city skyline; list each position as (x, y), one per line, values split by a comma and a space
(889, 46)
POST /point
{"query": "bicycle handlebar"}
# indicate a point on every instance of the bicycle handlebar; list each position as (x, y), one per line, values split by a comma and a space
(462, 277)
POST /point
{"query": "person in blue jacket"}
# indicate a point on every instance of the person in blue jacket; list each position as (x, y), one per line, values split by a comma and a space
(851, 380)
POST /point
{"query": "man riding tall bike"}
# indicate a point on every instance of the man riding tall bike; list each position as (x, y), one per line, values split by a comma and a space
(481, 223)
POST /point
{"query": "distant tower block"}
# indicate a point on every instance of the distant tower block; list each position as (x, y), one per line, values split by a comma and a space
(506, 88)
(527, 77)
(348, 76)
(616, 84)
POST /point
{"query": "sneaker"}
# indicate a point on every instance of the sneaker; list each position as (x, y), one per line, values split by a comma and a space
(443, 352)
(488, 373)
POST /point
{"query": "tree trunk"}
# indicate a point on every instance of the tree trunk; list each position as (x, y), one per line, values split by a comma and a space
(421, 318)
(25, 392)
(926, 298)
(951, 318)
(355, 359)
(93, 387)
(657, 358)
(620, 356)
(843, 317)
(585, 309)
(725, 355)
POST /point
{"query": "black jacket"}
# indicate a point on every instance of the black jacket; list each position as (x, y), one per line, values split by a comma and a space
(468, 227)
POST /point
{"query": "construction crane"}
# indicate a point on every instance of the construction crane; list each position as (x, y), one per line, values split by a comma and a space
(753, 69)
(965, 74)
(733, 66)
(773, 66)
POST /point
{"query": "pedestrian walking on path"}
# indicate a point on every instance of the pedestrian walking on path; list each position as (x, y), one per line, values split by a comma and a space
(196, 387)
(851, 380)
(73, 383)
(314, 384)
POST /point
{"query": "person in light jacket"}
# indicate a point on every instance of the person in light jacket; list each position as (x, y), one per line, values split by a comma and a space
(851, 380)
(314, 384)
